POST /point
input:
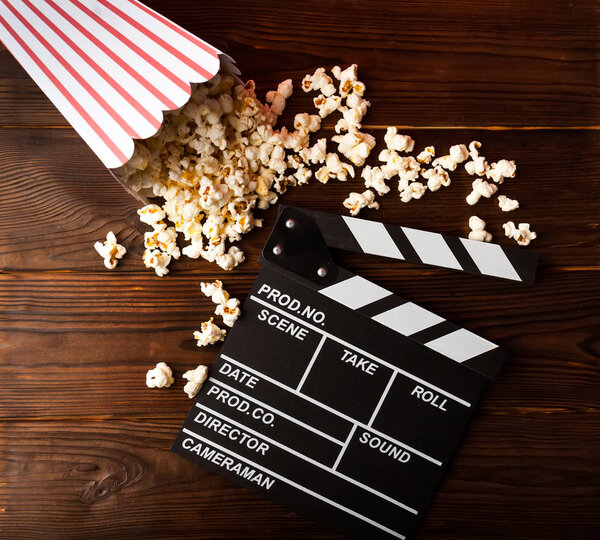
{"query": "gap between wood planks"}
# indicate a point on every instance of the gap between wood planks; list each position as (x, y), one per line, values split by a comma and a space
(191, 273)
(399, 126)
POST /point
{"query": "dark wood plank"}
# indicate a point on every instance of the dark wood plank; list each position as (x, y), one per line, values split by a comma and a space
(82, 344)
(444, 63)
(78, 479)
(56, 200)
(84, 445)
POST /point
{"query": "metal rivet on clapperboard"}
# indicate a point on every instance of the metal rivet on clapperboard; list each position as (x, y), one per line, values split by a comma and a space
(322, 272)
(290, 223)
(277, 250)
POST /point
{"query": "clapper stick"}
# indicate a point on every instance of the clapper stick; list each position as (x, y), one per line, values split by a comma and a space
(304, 255)
(425, 247)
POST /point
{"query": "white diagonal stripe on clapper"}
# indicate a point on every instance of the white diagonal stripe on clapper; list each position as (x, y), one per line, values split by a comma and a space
(373, 237)
(408, 319)
(432, 248)
(461, 345)
(355, 292)
(490, 259)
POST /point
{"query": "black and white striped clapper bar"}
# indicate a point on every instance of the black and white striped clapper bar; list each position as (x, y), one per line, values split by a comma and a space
(333, 395)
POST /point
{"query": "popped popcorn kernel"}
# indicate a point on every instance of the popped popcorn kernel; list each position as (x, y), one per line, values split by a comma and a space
(319, 81)
(159, 377)
(478, 232)
(412, 191)
(355, 202)
(522, 234)
(481, 188)
(196, 378)
(110, 250)
(355, 146)
(229, 311)
(506, 204)
(209, 334)
(215, 291)
(426, 155)
(501, 170)
(397, 142)
(375, 178)
(436, 178)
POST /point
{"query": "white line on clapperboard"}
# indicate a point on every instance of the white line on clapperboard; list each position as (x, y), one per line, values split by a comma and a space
(330, 409)
(297, 486)
(343, 450)
(312, 361)
(277, 411)
(365, 353)
(310, 460)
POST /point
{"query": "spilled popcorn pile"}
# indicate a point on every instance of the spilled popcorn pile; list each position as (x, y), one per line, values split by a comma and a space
(219, 157)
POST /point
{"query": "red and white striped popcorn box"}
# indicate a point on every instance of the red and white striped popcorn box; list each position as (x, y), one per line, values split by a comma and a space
(111, 67)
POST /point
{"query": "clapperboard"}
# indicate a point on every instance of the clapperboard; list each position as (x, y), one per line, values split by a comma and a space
(333, 395)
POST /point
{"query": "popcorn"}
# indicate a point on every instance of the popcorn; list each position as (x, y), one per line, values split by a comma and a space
(393, 163)
(521, 234)
(477, 166)
(277, 97)
(196, 378)
(357, 103)
(506, 204)
(481, 188)
(334, 168)
(349, 83)
(350, 121)
(159, 377)
(316, 153)
(375, 178)
(158, 260)
(303, 175)
(409, 169)
(229, 310)
(355, 202)
(459, 153)
(436, 178)
(110, 250)
(397, 142)
(426, 155)
(474, 147)
(231, 258)
(163, 238)
(355, 146)
(326, 105)
(215, 291)
(447, 162)
(151, 214)
(310, 122)
(413, 191)
(209, 334)
(219, 148)
(319, 81)
(501, 170)
(478, 232)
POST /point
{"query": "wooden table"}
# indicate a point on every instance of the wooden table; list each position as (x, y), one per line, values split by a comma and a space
(85, 445)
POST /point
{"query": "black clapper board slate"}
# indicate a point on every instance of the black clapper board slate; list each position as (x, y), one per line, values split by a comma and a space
(336, 397)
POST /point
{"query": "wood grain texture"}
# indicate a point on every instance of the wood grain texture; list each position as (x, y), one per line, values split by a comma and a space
(84, 445)
(439, 63)
(78, 475)
(135, 321)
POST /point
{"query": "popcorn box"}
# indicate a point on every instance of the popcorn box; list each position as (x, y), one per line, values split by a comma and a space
(111, 67)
